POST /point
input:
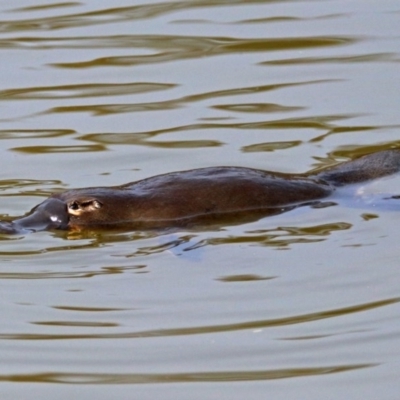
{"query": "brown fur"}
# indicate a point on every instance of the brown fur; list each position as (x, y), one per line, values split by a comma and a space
(199, 196)
(215, 194)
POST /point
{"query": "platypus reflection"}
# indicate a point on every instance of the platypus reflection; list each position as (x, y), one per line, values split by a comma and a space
(197, 197)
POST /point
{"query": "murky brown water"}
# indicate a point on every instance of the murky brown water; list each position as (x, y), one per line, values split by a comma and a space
(301, 305)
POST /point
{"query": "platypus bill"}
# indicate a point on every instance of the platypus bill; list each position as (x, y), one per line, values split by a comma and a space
(198, 197)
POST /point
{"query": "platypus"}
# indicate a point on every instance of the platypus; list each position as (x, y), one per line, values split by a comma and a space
(197, 197)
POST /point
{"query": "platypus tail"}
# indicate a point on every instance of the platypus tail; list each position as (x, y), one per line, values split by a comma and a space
(363, 169)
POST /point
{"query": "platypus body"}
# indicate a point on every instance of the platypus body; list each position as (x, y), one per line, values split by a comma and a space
(197, 197)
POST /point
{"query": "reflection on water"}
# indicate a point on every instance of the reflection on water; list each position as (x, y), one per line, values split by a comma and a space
(195, 376)
(81, 91)
(176, 48)
(278, 237)
(100, 94)
(198, 330)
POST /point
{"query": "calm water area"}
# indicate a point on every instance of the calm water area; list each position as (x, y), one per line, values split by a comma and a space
(303, 305)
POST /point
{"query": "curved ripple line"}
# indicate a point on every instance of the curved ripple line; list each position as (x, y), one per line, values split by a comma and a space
(363, 58)
(58, 149)
(198, 330)
(67, 274)
(82, 91)
(220, 376)
(323, 123)
(105, 15)
(111, 108)
(180, 48)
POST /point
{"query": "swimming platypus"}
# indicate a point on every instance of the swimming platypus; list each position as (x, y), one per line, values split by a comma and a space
(198, 197)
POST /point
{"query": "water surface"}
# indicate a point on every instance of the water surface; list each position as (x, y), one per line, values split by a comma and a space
(301, 305)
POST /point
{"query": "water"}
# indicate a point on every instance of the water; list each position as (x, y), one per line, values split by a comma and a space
(300, 305)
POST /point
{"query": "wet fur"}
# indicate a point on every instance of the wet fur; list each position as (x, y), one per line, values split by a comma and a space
(201, 196)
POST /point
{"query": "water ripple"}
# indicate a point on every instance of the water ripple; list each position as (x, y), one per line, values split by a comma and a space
(184, 377)
(201, 330)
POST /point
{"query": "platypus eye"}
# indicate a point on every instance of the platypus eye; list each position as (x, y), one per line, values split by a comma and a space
(73, 206)
(77, 207)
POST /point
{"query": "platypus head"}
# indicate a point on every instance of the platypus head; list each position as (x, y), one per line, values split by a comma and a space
(51, 214)
(94, 206)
